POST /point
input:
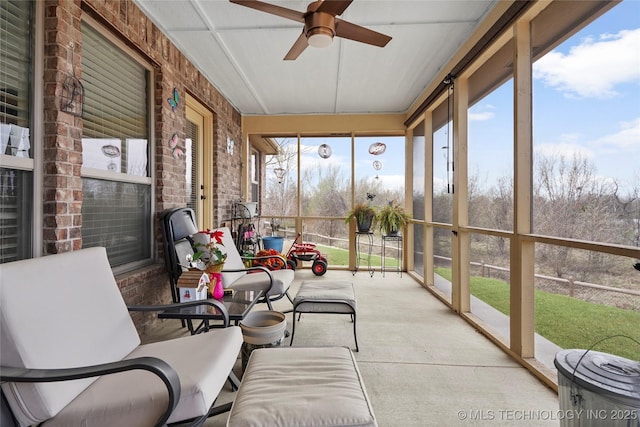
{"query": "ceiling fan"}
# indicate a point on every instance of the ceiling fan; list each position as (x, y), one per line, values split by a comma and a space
(321, 24)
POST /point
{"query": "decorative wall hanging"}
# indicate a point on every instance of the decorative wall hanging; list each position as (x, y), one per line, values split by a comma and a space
(111, 151)
(377, 148)
(174, 100)
(175, 149)
(324, 151)
(72, 97)
(279, 174)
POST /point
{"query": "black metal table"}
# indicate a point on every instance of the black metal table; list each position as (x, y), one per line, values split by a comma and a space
(238, 305)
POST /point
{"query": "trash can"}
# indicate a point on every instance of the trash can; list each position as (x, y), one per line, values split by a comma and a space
(597, 389)
(261, 329)
(273, 242)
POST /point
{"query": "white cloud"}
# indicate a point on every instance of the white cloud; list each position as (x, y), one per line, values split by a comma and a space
(593, 68)
(391, 182)
(481, 116)
(565, 149)
(482, 112)
(627, 138)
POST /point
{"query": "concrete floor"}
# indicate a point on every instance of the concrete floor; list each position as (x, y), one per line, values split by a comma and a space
(421, 363)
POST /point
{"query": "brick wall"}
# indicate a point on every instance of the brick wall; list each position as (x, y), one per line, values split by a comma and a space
(63, 132)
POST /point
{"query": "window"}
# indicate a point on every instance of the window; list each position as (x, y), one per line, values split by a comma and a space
(117, 191)
(255, 175)
(16, 152)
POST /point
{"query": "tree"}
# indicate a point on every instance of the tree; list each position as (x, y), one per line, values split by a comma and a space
(572, 202)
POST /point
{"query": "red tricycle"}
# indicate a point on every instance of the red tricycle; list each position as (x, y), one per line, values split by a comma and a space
(306, 252)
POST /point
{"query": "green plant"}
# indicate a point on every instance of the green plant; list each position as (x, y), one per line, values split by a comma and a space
(391, 218)
(362, 212)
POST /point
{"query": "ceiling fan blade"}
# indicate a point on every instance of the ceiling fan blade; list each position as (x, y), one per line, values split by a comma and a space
(272, 9)
(355, 32)
(334, 7)
(298, 47)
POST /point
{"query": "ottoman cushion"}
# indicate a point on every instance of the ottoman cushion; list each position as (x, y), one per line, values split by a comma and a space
(302, 387)
(319, 296)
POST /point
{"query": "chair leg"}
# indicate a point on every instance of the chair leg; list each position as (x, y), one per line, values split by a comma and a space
(288, 296)
(355, 336)
(293, 327)
(235, 382)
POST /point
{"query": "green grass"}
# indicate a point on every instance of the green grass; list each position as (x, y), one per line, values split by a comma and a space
(337, 256)
(568, 322)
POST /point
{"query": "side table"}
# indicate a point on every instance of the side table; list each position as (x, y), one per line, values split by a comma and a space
(394, 243)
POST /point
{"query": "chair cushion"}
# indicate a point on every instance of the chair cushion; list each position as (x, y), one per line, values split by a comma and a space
(301, 387)
(241, 281)
(203, 363)
(233, 262)
(281, 281)
(60, 311)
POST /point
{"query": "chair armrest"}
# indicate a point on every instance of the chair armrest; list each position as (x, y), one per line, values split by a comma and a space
(164, 307)
(152, 364)
(256, 270)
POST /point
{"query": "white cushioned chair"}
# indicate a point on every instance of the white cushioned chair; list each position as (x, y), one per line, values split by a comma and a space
(62, 317)
(276, 283)
(180, 237)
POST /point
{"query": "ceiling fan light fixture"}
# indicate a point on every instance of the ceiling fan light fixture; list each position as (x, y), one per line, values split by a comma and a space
(320, 37)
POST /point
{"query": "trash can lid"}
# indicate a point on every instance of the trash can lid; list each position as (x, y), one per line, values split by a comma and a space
(602, 373)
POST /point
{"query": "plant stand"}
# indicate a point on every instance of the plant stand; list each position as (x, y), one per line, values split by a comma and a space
(394, 243)
(368, 246)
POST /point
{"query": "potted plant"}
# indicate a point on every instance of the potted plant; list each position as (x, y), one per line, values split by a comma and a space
(391, 218)
(364, 215)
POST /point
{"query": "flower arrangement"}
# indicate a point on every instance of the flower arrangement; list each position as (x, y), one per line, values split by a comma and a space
(211, 253)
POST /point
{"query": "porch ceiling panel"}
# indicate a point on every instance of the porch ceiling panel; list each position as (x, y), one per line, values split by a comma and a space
(241, 51)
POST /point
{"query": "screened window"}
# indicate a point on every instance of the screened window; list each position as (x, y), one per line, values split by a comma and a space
(116, 209)
(16, 175)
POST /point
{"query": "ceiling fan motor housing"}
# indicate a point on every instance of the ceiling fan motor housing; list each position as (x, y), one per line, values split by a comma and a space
(319, 23)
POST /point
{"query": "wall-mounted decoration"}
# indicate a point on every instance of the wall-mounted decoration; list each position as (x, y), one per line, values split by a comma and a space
(324, 151)
(174, 100)
(377, 148)
(230, 145)
(175, 149)
(72, 97)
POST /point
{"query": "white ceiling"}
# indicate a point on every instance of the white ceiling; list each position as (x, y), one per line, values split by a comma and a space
(241, 50)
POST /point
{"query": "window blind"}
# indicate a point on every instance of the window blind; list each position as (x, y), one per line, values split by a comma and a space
(15, 61)
(115, 214)
(16, 186)
(193, 192)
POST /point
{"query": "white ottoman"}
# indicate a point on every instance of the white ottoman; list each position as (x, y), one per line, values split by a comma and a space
(302, 386)
(333, 297)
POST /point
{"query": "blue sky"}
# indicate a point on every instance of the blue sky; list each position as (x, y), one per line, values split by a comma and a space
(586, 101)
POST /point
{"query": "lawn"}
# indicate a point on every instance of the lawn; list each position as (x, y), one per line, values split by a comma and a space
(337, 256)
(568, 322)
